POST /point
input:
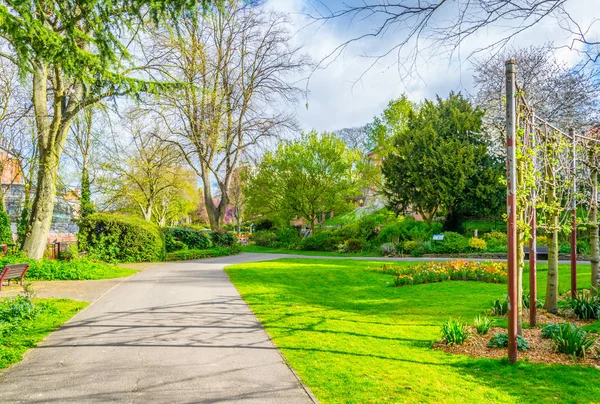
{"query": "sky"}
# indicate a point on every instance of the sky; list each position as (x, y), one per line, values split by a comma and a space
(350, 90)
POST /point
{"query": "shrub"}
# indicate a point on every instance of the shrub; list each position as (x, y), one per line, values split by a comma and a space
(222, 239)
(501, 341)
(583, 247)
(409, 247)
(453, 243)
(541, 241)
(191, 238)
(585, 306)
(318, 242)
(493, 272)
(388, 249)
(171, 244)
(17, 308)
(6, 236)
(550, 330)
(495, 238)
(408, 229)
(287, 237)
(206, 253)
(499, 307)
(454, 332)
(117, 238)
(353, 245)
(264, 238)
(572, 340)
(70, 254)
(264, 224)
(483, 324)
(477, 244)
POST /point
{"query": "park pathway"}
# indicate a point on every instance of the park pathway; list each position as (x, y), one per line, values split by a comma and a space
(174, 333)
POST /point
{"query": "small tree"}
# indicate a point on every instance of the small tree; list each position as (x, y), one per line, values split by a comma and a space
(307, 177)
(6, 236)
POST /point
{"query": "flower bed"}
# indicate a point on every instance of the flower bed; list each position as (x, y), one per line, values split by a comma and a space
(459, 270)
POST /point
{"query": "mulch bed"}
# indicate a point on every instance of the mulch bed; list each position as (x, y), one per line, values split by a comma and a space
(541, 350)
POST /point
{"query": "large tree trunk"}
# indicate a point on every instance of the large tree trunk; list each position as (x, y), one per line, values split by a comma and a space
(594, 239)
(40, 218)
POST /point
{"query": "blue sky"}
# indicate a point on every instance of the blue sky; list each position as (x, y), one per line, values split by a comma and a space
(349, 93)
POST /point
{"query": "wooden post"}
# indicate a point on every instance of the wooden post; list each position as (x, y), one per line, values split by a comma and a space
(574, 217)
(511, 205)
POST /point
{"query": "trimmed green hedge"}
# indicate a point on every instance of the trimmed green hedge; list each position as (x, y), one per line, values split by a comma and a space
(198, 254)
(180, 238)
(118, 238)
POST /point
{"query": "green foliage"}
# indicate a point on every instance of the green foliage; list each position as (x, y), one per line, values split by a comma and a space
(495, 239)
(454, 332)
(223, 239)
(501, 341)
(483, 324)
(87, 207)
(410, 247)
(318, 242)
(453, 243)
(22, 225)
(190, 238)
(441, 160)
(199, 254)
(79, 269)
(23, 323)
(117, 238)
(353, 245)
(6, 236)
(477, 244)
(304, 178)
(572, 340)
(264, 224)
(287, 237)
(552, 329)
(388, 249)
(585, 306)
(527, 301)
(394, 119)
(264, 238)
(408, 229)
(499, 307)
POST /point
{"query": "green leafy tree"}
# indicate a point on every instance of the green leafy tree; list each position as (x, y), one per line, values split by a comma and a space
(440, 161)
(74, 55)
(307, 177)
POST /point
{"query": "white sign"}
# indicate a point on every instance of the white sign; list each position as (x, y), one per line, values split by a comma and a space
(438, 237)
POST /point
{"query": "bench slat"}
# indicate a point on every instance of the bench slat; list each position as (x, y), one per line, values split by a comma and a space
(13, 271)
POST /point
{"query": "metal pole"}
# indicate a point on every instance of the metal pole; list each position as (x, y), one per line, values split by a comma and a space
(533, 240)
(574, 218)
(511, 205)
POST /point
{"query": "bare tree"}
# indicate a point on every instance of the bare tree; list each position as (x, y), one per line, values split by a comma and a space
(237, 66)
(441, 26)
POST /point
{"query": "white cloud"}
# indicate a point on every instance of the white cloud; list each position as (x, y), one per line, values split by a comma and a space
(339, 99)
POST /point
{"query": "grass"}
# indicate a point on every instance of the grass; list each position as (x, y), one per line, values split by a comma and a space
(53, 314)
(353, 338)
(81, 269)
(267, 250)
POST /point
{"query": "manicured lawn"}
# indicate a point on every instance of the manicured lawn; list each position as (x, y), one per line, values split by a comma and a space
(267, 250)
(353, 338)
(15, 341)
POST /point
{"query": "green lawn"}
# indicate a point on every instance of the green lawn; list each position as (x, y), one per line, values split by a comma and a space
(54, 312)
(267, 250)
(353, 338)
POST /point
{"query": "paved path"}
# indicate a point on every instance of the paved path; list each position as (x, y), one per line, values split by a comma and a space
(174, 333)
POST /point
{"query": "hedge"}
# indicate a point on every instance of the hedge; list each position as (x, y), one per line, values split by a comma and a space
(118, 238)
(179, 238)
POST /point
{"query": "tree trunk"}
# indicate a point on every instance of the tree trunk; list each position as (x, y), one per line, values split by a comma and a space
(551, 303)
(40, 218)
(594, 239)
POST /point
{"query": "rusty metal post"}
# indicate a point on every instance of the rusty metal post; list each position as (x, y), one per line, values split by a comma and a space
(511, 205)
(533, 239)
(574, 217)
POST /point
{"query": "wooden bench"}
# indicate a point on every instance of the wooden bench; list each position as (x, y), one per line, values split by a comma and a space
(13, 271)
(541, 252)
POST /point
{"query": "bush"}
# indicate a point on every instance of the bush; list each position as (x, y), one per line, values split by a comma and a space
(527, 301)
(499, 307)
(353, 245)
(495, 238)
(222, 239)
(199, 254)
(117, 238)
(287, 237)
(322, 241)
(541, 241)
(572, 340)
(453, 243)
(483, 324)
(454, 332)
(501, 341)
(409, 247)
(477, 244)
(264, 224)
(583, 247)
(191, 238)
(6, 236)
(585, 306)
(408, 229)
(550, 330)
(264, 238)
(70, 254)
(388, 249)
